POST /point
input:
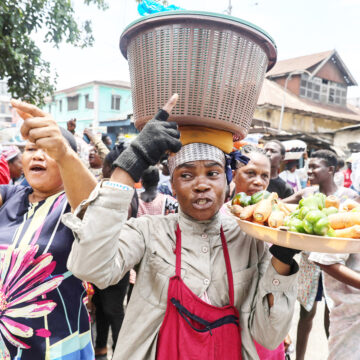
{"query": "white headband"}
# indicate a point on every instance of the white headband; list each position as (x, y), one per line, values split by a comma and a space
(195, 152)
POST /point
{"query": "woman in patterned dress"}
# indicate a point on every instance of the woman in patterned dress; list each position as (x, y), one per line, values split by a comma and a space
(42, 310)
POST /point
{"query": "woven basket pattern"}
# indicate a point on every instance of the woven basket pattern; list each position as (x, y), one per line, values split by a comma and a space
(217, 72)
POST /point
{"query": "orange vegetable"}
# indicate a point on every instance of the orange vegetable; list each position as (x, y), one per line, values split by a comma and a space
(349, 232)
(263, 209)
(343, 220)
(236, 210)
(350, 204)
(247, 212)
(332, 200)
(284, 208)
(276, 218)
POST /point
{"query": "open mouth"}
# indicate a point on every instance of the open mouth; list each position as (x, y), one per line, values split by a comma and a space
(37, 168)
(203, 203)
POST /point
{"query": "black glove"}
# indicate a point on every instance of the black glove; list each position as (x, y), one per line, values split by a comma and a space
(283, 254)
(157, 137)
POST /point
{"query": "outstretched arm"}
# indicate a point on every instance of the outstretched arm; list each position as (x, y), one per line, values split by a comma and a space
(41, 129)
(342, 273)
(99, 223)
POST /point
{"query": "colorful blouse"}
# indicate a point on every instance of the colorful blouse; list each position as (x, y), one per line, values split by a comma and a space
(42, 313)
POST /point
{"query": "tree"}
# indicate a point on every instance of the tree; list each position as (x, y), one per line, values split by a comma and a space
(20, 59)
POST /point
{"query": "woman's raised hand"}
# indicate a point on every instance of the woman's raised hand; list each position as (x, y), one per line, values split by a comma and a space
(41, 129)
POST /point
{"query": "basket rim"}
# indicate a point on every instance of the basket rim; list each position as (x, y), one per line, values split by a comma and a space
(266, 40)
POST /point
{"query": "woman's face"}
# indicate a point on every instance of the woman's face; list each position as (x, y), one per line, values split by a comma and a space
(40, 170)
(200, 188)
(253, 177)
(95, 160)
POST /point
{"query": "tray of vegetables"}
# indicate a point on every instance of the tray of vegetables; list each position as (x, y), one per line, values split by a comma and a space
(318, 223)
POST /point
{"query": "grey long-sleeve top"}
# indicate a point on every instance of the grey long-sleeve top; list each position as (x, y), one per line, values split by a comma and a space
(107, 246)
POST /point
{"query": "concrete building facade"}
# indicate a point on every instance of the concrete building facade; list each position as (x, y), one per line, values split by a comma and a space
(103, 106)
(312, 91)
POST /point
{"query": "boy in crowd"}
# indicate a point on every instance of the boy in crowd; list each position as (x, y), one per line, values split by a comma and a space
(276, 151)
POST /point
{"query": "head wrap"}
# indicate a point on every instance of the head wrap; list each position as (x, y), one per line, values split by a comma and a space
(202, 143)
(201, 151)
(10, 152)
(195, 152)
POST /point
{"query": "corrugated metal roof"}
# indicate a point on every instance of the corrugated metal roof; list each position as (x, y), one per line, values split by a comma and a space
(273, 94)
(298, 63)
(307, 62)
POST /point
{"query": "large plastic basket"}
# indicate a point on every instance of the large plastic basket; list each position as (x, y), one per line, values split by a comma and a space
(216, 64)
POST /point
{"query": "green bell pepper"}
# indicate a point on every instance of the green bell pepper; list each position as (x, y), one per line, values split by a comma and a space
(259, 196)
(241, 199)
(320, 197)
(330, 210)
(314, 216)
(322, 226)
(296, 225)
(303, 211)
(308, 226)
(311, 202)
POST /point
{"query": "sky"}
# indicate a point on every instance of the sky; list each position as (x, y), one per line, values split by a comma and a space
(298, 28)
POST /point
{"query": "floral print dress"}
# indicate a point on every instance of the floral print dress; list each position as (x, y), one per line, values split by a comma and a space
(42, 310)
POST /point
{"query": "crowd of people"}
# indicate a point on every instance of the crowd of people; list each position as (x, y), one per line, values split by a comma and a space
(73, 241)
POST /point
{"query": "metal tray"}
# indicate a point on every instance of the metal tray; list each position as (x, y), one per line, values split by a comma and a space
(299, 241)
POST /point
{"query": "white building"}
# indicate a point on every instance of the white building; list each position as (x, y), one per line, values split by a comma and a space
(5, 110)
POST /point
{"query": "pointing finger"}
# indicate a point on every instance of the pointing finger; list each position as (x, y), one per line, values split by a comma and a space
(164, 113)
(171, 103)
(30, 109)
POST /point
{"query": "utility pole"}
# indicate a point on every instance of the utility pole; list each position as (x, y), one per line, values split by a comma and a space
(229, 8)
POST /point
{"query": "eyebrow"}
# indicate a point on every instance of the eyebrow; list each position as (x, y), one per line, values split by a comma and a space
(192, 165)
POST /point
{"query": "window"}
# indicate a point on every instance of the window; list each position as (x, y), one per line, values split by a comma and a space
(322, 90)
(115, 102)
(88, 104)
(60, 105)
(73, 102)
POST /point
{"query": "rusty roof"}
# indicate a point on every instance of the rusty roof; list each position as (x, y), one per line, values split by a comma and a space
(299, 63)
(312, 62)
(273, 94)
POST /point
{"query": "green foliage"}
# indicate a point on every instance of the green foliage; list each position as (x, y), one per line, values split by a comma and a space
(20, 59)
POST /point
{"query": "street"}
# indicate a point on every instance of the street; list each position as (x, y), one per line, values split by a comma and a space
(317, 345)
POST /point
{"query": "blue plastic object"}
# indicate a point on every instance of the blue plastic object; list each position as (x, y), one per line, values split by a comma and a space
(147, 7)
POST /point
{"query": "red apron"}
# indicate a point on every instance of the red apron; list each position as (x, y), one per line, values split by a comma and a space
(193, 329)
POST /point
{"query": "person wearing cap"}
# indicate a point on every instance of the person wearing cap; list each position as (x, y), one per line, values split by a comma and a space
(13, 157)
(204, 289)
(42, 305)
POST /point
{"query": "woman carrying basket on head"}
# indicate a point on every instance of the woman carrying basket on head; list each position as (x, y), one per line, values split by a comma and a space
(204, 289)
